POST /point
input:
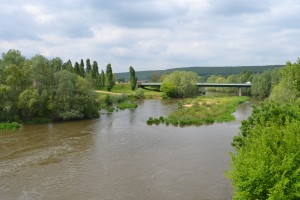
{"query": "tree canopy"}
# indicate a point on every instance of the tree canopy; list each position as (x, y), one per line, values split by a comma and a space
(184, 82)
(42, 88)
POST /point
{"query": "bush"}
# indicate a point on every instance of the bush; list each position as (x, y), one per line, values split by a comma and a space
(266, 162)
(267, 165)
(126, 105)
(10, 126)
(267, 114)
(139, 93)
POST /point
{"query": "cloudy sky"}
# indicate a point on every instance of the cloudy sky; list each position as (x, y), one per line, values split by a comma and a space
(154, 34)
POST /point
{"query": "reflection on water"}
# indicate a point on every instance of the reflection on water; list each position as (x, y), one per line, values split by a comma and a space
(118, 156)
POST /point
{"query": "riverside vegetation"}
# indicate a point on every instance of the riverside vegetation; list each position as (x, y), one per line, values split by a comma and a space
(201, 110)
(266, 160)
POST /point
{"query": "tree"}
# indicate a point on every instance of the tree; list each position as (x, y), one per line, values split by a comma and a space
(288, 89)
(42, 80)
(169, 89)
(102, 79)
(88, 66)
(133, 79)
(74, 98)
(262, 84)
(68, 66)
(56, 64)
(81, 68)
(95, 70)
(13, 57)
(109, 78)
(77, 68)
(185, 83)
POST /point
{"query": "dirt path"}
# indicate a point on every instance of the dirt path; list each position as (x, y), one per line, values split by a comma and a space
(105, 92)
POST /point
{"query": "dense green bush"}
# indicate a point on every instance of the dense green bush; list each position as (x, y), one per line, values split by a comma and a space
(267, 114)
(139, 93)
(267, 166)
(10, 126)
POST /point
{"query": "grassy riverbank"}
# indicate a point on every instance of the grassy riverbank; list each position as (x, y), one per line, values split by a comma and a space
(124, 88)
(9, 126)
(201, 110)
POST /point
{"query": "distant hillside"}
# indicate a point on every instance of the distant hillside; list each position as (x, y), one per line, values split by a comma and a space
(201, 71)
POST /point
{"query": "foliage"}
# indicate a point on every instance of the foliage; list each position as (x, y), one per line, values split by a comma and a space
(268, 165)
(139, 93)
(110, 82)
(126, 105)
(111, 102)
(39, 88)
(262, 84)
(288, 89)
(133, 78)
(266, 162)
(169, 89)
(266, 114)
(202, 111)
(184, 83)
(10, 126)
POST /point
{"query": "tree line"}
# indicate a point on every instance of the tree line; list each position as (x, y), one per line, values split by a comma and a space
(182, 83)
(41, 88)
(266, 161)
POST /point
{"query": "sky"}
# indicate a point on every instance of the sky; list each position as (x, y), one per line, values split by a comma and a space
(154, 34)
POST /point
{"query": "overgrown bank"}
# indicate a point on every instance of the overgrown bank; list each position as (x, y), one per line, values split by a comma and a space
(266, 160)
(201, 110)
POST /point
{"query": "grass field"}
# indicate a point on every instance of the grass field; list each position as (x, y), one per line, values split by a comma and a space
(124, 88)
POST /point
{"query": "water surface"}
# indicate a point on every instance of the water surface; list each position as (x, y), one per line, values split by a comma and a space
(118, 157)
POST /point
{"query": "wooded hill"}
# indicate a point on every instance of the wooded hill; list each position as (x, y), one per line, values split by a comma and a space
(201, 71)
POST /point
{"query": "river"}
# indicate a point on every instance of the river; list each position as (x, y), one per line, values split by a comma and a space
(118, 157)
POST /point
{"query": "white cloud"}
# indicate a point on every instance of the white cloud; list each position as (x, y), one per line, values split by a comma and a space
(154, 34)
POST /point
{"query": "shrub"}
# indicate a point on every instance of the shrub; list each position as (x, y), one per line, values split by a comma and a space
(10, 126)
(139, 93)
(267, 165)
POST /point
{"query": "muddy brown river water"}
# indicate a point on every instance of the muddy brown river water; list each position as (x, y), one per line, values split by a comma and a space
(118, 157)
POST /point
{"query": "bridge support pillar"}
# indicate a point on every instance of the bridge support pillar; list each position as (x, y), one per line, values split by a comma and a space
(240, 92)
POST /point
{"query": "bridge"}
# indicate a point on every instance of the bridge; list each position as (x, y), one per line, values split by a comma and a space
(231, 85)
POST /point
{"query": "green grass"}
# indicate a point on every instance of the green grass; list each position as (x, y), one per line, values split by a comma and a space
(124, 88)
(127, 105)
(202, 110)
(10, 126)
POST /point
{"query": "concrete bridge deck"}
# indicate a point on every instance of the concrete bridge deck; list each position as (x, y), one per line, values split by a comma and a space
(236, 85)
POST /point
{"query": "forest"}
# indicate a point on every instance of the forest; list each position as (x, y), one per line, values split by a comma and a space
(205, 72)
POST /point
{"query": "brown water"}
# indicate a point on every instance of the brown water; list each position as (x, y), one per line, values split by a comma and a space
(118, 157)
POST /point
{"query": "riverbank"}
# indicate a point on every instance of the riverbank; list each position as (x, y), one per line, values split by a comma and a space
(124, 88)
(201, 110)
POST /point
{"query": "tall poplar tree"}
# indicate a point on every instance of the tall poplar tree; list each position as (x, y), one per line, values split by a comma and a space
(102, 79)
(95, 70)
(109, 77)
(88, 66)
(77, 68)
(133, 78)
(81, 68)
